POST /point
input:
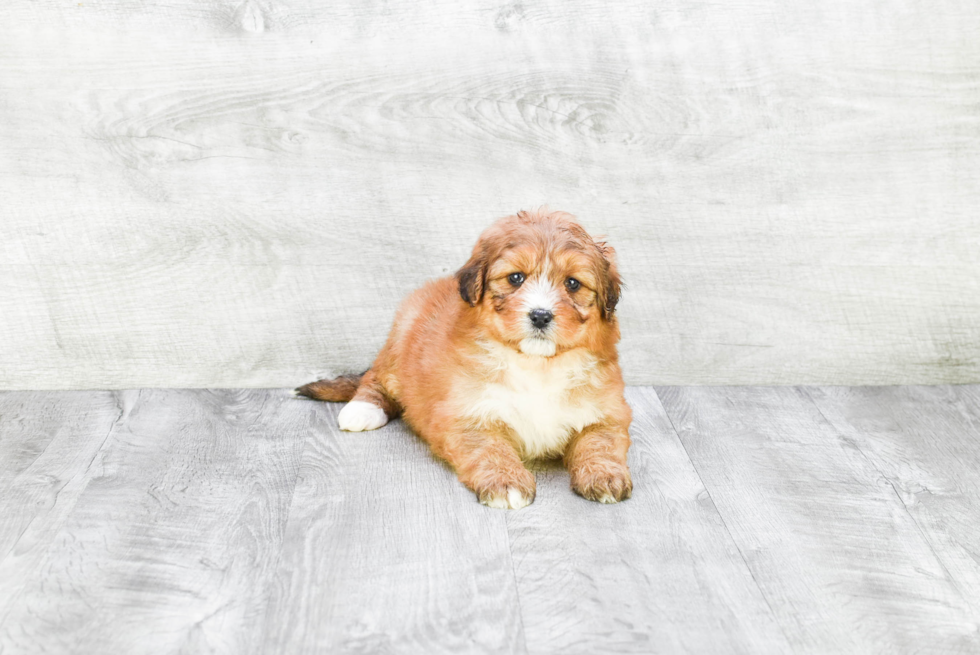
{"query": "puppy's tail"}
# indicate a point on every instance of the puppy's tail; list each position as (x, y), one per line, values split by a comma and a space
(338, 390)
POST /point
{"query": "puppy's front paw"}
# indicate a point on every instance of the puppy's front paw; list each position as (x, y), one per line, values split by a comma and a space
(357, 416)
(603, 482)
(508, 491)
(510, 498)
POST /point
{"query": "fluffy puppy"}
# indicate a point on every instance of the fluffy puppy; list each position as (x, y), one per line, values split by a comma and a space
(512, 358)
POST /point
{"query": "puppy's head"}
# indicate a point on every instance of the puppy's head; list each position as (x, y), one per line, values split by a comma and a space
(542, 285)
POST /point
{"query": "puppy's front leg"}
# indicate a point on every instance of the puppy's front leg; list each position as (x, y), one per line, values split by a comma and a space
(596, 460)
(489, 465)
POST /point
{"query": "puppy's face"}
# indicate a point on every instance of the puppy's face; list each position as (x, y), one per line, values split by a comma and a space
(542, 284)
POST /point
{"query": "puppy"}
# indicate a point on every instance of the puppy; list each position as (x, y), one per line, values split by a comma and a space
(511, 359)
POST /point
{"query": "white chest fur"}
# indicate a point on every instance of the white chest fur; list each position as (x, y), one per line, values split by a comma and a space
(543, 400)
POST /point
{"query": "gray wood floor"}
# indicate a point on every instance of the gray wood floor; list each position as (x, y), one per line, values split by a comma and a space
(764, 520)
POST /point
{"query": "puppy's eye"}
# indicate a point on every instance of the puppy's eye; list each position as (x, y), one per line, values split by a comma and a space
(516, 279)
(572, 284)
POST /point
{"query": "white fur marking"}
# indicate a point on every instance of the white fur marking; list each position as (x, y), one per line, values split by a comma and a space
(540, 294)
(533, 397)
(358, 416)
(537, 346)
(607, 499)
(513, 500)
(516, 499)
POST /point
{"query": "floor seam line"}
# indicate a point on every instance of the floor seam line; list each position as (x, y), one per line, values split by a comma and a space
(891, 485)
(83, 472)
(287, 515)
(724, 523)
(517, 588)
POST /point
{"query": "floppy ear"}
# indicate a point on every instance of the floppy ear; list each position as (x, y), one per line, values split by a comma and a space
(610, 284)
(471, 277)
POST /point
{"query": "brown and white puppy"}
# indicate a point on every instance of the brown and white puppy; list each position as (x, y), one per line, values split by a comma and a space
(512, 358)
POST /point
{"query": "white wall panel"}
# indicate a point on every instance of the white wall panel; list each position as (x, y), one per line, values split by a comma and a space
(238, 194)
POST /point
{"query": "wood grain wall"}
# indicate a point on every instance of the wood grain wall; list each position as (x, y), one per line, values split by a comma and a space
(230, 193)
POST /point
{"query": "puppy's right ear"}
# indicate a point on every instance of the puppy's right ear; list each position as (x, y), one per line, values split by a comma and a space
(471, 277)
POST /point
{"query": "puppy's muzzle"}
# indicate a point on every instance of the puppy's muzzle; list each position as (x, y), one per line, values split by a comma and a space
(540, 318)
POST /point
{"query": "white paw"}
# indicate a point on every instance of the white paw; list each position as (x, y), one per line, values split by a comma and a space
(513, 500)
(357, 416)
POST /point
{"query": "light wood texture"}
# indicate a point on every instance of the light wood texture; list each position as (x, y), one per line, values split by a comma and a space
(833, 549)
(931, 459)
(175, 536)
(657, 574)
(771, 520)
(47, 445)
(221, 193)
(386, 552)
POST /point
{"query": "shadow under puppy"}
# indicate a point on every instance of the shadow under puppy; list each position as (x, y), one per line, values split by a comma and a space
(513, 357)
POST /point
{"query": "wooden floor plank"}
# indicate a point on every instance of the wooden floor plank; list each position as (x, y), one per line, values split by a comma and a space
(658, 573)
(772, 520)
(386, 552)
(47, 442)
(833, 549)
(926, 442)
(170, 544)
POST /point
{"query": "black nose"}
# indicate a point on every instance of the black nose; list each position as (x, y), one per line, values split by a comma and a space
(540, 317)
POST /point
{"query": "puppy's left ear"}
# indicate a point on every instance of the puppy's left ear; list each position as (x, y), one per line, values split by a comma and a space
(471, 277)
(610, 284)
